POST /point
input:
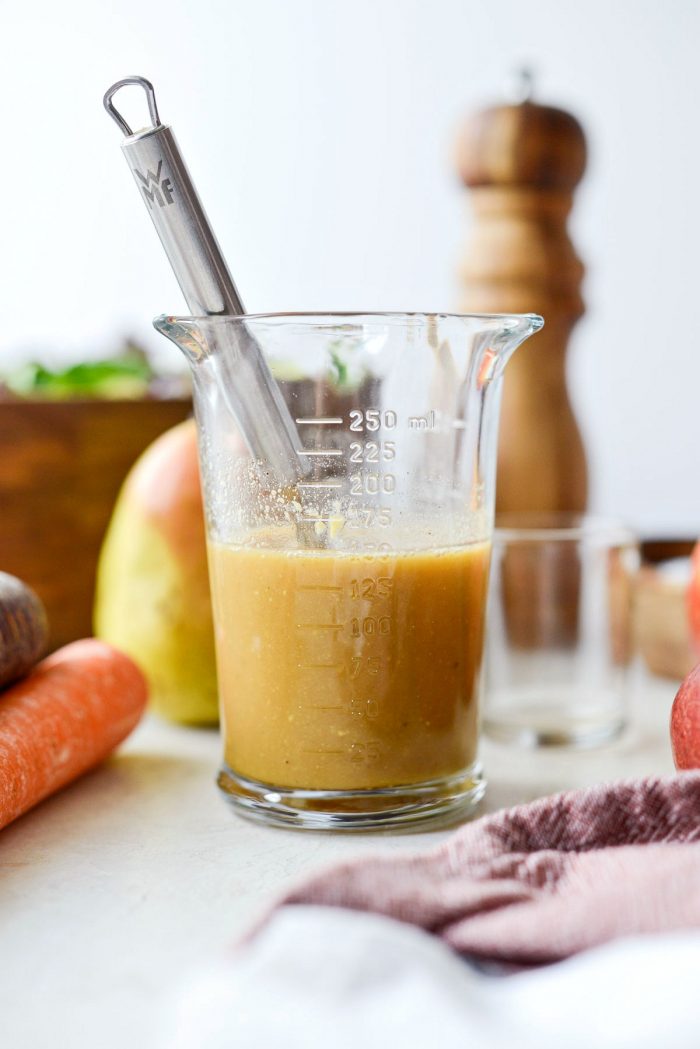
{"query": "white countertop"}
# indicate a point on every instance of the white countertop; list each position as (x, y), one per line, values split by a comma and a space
(114, 890)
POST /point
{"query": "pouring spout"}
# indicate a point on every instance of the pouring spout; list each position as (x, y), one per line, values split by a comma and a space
(520, 328)
(498, 347)
(186, 336)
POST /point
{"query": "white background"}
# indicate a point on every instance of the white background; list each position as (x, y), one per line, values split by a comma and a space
(320, 135)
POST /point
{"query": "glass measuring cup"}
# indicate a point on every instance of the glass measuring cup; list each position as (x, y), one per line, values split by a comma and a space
(349, 607)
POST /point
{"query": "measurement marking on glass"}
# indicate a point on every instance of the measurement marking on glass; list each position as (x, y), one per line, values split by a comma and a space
(335, 706)
(320, 484)
(422, 422)
(459, 424)
(312, 517)
(320, 422)
(323, 751)
(320, 451)
(320, 626)
(318, 666)
(321, 586)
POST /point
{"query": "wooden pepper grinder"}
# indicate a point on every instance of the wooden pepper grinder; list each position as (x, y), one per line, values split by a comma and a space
(522, 162)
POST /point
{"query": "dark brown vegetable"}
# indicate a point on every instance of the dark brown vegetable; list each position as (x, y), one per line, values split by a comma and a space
(24, 629)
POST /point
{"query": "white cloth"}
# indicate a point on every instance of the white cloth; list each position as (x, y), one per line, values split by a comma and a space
(324, 978)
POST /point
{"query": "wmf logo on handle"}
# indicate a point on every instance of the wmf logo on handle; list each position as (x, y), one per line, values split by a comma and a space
(154, 188)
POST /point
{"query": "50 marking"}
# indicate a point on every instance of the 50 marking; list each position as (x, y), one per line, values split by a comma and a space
(364, 708)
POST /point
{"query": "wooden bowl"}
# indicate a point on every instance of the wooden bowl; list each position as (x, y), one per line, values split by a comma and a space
(61, 467)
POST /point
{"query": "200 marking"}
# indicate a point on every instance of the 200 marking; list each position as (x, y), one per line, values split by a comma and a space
(372, 484)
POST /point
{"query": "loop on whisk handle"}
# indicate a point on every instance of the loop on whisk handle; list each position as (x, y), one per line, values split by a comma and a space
(116, 116)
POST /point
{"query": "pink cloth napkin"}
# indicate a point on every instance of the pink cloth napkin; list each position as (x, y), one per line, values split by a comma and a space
(542, 881)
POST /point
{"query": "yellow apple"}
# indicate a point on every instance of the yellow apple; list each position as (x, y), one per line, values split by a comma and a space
(152, 598)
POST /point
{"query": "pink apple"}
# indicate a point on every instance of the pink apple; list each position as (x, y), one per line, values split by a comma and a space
(685, 723)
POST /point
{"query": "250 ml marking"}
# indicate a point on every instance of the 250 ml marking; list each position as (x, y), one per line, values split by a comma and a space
(372, 419)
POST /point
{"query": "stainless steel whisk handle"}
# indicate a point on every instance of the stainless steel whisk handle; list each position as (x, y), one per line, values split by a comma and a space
(167, 189)
(243, 374)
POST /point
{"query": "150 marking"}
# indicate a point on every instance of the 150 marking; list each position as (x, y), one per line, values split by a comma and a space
(370, 552)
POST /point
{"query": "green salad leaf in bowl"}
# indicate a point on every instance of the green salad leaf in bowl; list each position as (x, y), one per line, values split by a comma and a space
(126, 376)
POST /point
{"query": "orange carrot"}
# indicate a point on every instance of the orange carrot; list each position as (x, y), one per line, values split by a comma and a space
(63, 719)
